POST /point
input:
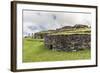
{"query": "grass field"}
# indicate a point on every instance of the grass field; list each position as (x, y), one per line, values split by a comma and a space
(35, 51)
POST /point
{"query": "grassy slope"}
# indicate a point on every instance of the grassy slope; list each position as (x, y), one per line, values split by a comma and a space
(35, 51)
(73, 31)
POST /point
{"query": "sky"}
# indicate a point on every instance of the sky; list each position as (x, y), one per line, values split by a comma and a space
(36, 21)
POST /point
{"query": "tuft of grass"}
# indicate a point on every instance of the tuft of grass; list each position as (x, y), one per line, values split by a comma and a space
(34, 50)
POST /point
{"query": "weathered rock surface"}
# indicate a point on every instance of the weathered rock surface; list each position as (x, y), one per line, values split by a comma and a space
(72, 42)
(67, 38)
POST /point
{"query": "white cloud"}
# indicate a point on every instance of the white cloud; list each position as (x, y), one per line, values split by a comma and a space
(35, 21)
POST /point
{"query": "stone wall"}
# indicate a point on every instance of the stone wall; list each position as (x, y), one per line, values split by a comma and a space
(73, 42)
(39, 35)
(42, 34)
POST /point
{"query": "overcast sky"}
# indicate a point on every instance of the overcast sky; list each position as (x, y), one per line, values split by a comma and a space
(35, 21)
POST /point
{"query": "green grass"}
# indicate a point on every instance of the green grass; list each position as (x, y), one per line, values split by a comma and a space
(67, 31)
(73, 31)
(35, 51)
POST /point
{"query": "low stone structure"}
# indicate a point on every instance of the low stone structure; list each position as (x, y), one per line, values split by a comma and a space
(39, 35)
(72, 42)
(42, 34)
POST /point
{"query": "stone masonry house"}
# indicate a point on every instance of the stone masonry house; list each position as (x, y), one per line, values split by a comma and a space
(67, 38)
(71, 42)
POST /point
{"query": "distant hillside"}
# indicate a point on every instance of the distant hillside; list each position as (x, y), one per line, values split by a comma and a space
(66, 30)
